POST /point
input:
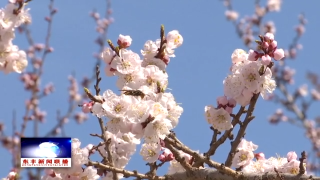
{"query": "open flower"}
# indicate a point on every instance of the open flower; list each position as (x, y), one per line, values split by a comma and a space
(219, 118)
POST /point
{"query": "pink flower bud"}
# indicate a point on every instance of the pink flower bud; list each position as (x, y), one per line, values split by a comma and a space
(273, 44)
(269, 37)
(300, 29)
(232, 103)
(231, 15)
(12, 175)
(170, 157)
(222, 100)
(54, 11)
(229, 109)
(253, 55)
(87, 107)
(162, 158)
(266, 59)
(278, 54)
(259, 156)
(265, 45)
(47, 18)
(291, 156)
(124, 41)
(50, 49)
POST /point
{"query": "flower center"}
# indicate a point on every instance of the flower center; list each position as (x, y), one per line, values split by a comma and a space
(294, 171)
(221, 118)
(150, 81)
(125, 64)
(251, 77)
(128, 78)
(243, 157)
(118, 108)
(151, 153)
(177, 40)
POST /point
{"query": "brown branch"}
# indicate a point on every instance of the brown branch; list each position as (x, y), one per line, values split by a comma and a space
(242, 130)
(107, 146)
(302, 170)
(126, 173)
(98, 79)
(212, 174)
(92, 97)
(198, 157)
(178, 157)
(278, 174)
(214, 145)
(203, 174)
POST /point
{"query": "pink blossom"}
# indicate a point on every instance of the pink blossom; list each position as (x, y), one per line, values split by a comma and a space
(300, 29)
(291, 167)
(291, 156)
(219, 118)
(278, 54)
(265, 45)
(174, 39)
(303, 90)
(222, 100)
(269, 37)
(259, 156)
(266, 59)
(242, 158)
(274, 5)
(166, 155)
(124, 41)
(315, 94)
(273, 44)
(229, 109)
(232, 15)
(238, 56)
(232, 103)
(87, 107)
(247, 145)
(253, 55)
(244, 98)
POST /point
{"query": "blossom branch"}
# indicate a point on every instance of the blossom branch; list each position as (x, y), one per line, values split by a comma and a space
(178, 157)
(37, 72)
(20, 5)
(126, 173)
(211, 163)
(214, 145)
(242, 130)
(98, 79)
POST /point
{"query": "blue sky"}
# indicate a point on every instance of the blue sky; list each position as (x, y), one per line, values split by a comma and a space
(195, 75)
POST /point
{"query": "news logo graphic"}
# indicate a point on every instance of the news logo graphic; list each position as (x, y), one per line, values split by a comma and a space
(46, 152)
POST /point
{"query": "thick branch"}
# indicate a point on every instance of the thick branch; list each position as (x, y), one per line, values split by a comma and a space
(204, 174)
(211, 174)
(201, 158)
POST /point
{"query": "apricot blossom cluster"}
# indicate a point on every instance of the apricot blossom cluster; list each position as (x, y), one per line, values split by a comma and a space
(250, 74)
(11, 58)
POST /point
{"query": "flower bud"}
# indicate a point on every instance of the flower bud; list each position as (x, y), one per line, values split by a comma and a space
(124, 41)
(259, 156)
(291, 156)
(278, 54)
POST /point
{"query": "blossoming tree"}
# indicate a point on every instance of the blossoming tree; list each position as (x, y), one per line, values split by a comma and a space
(145, 112)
